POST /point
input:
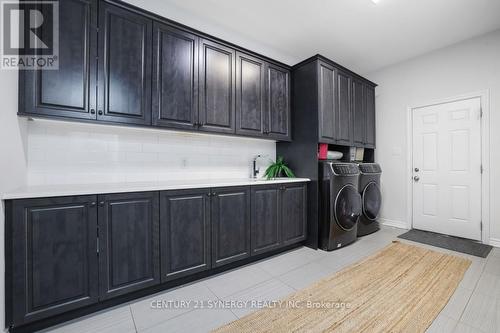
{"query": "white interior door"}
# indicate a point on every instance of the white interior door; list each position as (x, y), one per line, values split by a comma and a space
(447, 168)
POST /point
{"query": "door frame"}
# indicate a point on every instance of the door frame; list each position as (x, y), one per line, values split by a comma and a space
(484, 97)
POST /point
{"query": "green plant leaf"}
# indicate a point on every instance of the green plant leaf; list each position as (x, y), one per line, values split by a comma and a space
(289, 173)
(278, 168)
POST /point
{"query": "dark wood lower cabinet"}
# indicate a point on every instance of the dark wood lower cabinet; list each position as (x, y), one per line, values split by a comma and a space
(73, 253)
(265, 218)
(185, 232)
(293, 213)
(54, 257)
(128, 242)
(230, 224)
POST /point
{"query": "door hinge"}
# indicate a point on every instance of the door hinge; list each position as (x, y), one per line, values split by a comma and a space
(97, 245)
(482, 169)
(481, 112)
(481, 225)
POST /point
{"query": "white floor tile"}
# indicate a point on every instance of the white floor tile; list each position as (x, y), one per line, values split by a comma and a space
(457, 303)
(226, 284)
(153, 310)
(117, 320)
(284, 263)
(472, 275)
(304, 276)
(493, 266)
(252, 298)
(442, 324)
(197, 321)
(482, 312)
(463, 328)
(489, 284)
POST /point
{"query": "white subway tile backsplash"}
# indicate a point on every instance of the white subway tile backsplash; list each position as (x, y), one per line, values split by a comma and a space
(65, 153)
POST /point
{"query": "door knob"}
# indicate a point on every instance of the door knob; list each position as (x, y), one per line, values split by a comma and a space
(416, 178)
(417, 169)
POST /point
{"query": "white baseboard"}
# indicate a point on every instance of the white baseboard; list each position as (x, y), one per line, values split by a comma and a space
(495, 242)
(393, 223)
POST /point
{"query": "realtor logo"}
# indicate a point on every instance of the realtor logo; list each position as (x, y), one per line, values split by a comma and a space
(30, 35)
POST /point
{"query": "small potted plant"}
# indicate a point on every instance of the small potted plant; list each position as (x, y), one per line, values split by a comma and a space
(278, 169)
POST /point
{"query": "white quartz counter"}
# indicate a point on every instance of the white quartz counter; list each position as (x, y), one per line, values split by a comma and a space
(89, 189)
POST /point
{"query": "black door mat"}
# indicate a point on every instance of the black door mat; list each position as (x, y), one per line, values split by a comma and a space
(463, 245)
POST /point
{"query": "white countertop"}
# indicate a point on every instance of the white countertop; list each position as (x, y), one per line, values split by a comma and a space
(44, 191)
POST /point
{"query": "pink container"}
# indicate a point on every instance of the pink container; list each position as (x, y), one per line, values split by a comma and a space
(323, 151)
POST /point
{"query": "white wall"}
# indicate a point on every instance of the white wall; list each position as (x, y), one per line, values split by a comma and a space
(69, 153)
(468, 67)
(12, 158)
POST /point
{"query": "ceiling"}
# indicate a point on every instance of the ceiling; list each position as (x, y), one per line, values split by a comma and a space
(355, 33)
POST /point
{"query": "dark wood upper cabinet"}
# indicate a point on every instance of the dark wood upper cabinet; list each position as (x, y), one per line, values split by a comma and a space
(125, 57)
(185, 232)
(54, 256)
(278, 103)
(129, 238)
(369, 95)
(265, 223)
(250, 92)
(327, 103)
(230, 224)
(293, 213)
(358, 113)
(69, 91)
(344, 118)
(120, 65)
(175, 77)
(217, 87)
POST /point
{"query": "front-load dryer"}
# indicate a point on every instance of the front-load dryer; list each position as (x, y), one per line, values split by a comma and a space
(369, 188)
(340, 204)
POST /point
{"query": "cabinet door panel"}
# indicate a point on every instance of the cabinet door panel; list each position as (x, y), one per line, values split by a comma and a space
(217, 87)
(125, 70)
(185, 232)
(54, 256)
(70, 90)
(129, 242)
(370, 116)
(293, 213)
(265, 224)
(358, 113)
(344, 124)
(278, 102)
(250, 73)
(327, 95)
(230, 225)
(175, 77)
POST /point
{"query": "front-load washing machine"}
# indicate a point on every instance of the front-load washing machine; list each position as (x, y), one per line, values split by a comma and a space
(369, 188)
(340, 204)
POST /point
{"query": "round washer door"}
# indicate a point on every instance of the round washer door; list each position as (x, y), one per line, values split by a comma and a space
(372, 200)
(347, 207)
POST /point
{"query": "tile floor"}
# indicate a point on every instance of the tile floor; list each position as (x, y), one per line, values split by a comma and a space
(475, 306)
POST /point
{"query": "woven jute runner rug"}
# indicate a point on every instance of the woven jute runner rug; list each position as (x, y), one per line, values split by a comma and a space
(402, 288)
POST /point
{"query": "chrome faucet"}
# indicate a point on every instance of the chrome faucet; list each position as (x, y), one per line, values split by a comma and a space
(255, 170)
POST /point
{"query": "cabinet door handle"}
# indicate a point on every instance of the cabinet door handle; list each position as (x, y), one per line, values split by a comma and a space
(101, 203)
(92, 111)
(100, 112)
(92, 204)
